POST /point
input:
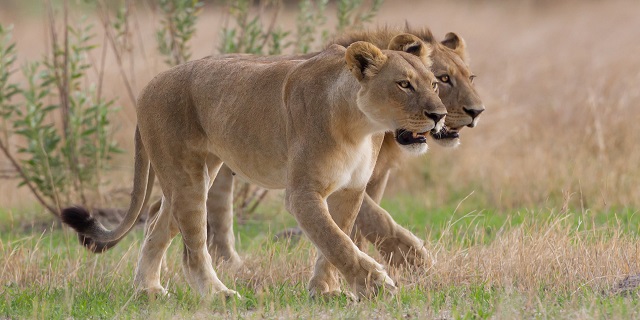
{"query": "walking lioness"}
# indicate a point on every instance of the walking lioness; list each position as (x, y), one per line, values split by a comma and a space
(313, 127)
(397, 244)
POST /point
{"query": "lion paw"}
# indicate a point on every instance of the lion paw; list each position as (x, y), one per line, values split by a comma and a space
(229, 294)
(154, 292)
(372, 279)
(411, 253)
(323, 288)
(226, 257)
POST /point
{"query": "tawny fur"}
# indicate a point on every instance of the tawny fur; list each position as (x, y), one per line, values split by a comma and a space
(397, 244)
(311, 127)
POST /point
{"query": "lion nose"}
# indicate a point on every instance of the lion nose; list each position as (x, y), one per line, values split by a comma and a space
(436, 117)
(473, 112)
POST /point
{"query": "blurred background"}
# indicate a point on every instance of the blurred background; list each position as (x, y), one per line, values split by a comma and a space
(560, 81)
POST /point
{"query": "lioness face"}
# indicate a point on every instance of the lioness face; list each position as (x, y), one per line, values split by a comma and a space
(457, 92)
(398, 91)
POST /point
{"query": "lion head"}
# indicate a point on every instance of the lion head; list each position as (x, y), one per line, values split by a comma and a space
(451, 68)
(397, 89)
(450, 64)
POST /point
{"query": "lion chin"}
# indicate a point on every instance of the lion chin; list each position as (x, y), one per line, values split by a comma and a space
(416, 148)
(447, 137)
(412, 142)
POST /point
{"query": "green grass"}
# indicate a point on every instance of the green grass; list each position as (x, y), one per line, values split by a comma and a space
(461, 219)
(48, 275)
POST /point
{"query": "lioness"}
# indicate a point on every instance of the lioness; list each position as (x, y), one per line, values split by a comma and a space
(322, 124)
(397, 244)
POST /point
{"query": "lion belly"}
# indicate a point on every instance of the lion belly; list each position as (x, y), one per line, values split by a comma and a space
(274, 177)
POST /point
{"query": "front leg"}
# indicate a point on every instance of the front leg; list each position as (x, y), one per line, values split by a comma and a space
(397, 245)
(375, 189)
(311, 211)
(343, 207)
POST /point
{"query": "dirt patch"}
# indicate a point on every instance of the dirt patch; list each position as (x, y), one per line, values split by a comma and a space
(627, 286)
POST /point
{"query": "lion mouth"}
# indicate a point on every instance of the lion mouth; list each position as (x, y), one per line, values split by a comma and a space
(445, 133)
(406, 137)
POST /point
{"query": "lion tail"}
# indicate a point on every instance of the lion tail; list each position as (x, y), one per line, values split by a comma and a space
(91, 233)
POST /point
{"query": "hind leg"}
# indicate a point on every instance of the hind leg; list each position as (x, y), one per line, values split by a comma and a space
(220, 237)
(188, 206)
(159, 232)
(185, 187)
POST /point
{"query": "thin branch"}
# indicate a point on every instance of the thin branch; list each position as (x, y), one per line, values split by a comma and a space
(103, 58)
(272, 23)
(61, 79)
(56, 196)
(54, 49)
(131, 10)
(65, 73)
(24, 177)
(137, 28)
(104, 17)
(258, 201)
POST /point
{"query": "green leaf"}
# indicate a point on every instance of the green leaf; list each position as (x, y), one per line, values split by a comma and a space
(89, 132)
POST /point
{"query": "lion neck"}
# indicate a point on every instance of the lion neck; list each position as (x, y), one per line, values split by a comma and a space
(347, 116)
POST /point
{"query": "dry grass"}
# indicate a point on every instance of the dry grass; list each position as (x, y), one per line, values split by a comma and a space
(535, 255)
(549, 269)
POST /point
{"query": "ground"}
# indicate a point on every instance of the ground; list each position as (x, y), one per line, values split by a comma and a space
(519, 264)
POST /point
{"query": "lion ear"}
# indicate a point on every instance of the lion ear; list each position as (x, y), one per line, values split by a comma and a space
(411, 44)
(456, 43)
(364, 59)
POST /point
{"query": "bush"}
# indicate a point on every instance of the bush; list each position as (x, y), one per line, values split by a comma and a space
(62, 144)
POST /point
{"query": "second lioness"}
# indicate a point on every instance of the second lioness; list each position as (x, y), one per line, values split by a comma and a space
(321, 125)
(397, 244)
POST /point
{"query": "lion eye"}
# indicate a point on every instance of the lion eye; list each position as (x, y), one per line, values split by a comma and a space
(435, 86)
(471, 78)
(444, 78)
(404, 84)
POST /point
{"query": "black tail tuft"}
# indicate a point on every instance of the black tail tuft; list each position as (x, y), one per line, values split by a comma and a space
(78, 218)
(93, 246)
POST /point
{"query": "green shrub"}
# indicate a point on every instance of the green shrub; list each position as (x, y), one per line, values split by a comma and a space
(63, 143)
(177, 28)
